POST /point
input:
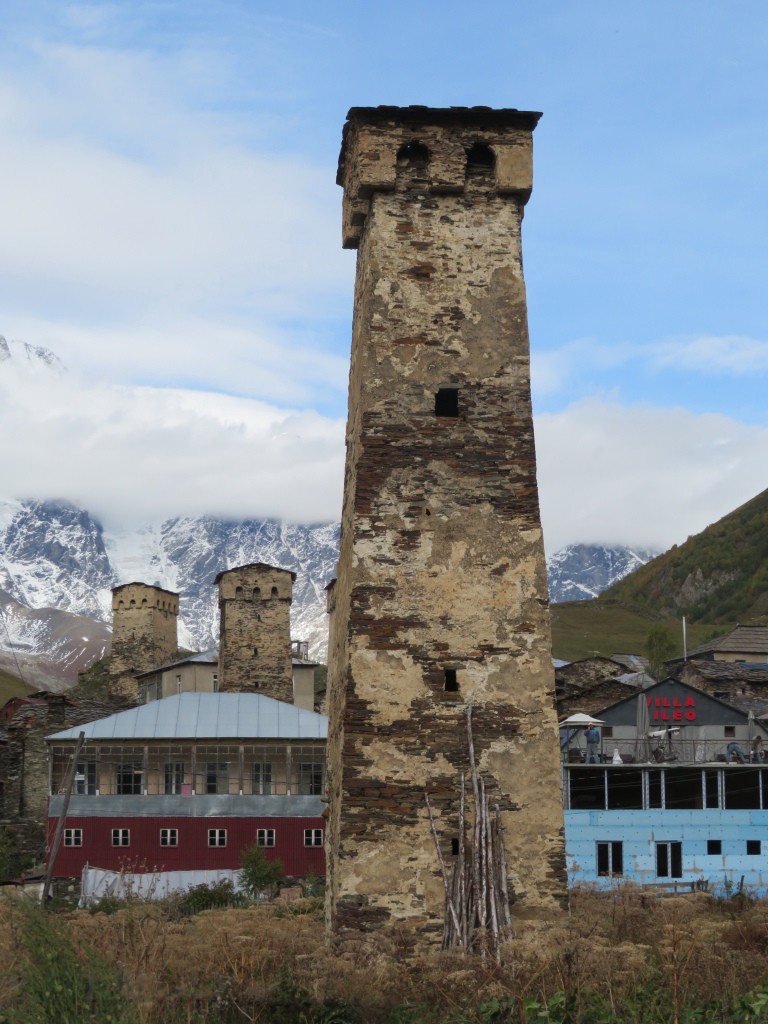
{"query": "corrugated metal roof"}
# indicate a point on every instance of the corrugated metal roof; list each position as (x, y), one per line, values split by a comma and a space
(201, 658)
(202, 716)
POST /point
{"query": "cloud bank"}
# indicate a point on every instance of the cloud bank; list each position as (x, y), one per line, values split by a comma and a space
(607, 473)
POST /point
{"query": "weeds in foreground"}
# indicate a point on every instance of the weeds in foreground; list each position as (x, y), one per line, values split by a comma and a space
(621, 959)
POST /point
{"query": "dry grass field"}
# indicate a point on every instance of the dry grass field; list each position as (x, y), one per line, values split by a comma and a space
(628, 957)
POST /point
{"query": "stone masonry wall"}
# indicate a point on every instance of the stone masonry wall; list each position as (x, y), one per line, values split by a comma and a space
(255, 642)
(144, 633)
(24, 764)
(441, 573)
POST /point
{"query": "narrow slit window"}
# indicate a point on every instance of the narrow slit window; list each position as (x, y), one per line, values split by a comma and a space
(455, 847)
(447, 402)
(451, 681)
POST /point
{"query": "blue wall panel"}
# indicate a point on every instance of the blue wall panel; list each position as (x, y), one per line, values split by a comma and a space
(639, 831)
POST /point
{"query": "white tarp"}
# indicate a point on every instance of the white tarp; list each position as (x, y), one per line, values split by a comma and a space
(98, 882)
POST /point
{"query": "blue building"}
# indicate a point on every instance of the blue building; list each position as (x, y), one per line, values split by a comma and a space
(680, 795)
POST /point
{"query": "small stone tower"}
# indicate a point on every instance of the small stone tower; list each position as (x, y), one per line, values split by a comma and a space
(144, 632)
(441, 598)
(255, 642)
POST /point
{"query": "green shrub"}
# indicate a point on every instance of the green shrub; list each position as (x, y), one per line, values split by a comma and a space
(259, 875)
(210, 897)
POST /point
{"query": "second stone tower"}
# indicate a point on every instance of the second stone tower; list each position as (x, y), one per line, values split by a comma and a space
(255, 641)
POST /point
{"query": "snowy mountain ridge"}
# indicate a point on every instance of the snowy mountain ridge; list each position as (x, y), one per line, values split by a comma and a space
(580, 572)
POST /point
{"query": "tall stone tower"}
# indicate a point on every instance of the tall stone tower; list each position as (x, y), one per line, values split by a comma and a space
(441, 598)
(255, 642)
(144, 632)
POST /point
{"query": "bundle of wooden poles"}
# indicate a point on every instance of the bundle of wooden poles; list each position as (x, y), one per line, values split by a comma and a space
(477, 915)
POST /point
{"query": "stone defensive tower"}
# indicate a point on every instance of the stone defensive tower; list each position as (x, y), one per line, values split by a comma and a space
(255, 642)
(441, 598)
(144, 632)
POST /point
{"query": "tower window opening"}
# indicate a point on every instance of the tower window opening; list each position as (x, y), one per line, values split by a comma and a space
(274, 591)
(480, 156)
(133, 604)
(451, 681)
(413, 154)
(447, 402)
(256, 593)
(454, 847)
(255, 652)
(238, 593)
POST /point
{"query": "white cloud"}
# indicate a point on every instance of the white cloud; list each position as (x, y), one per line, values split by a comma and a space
(131, 455)
(554, 370)
(730, 354)
(142, 234)
(642, 475)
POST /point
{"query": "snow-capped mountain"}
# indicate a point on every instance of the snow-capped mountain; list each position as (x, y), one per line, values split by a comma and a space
(55, 558)
(580, 572)
(57, 567)
(32, 358)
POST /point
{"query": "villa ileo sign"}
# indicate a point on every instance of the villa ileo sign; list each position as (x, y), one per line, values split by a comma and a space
(666, 710)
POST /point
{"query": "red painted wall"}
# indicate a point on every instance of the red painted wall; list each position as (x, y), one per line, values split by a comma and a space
(193, 853)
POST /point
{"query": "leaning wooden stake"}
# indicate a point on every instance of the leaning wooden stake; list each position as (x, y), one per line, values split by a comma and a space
(62, 817)
(477, 913)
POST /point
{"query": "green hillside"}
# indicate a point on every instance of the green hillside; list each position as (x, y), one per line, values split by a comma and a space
(584, 628)
(717, 576)
(12, 686)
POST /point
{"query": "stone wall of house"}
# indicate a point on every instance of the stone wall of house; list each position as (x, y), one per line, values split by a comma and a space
(441, 599)
(255, 640)
(24, 763)
(592, 699)
(144, 633)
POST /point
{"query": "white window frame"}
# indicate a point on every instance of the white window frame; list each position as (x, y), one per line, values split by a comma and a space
(121, 837)
(265, 837)
(73, 837)
(313, 835)
(215, 836)
(170, 835)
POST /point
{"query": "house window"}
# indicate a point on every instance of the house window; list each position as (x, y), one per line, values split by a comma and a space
(173, 777)
(86, 778)
(451, 681)
(178, 684)
(753, 847)
(169, 837)
(129, 779)
(121, 837)
(313, 837)
(607, 732)
(73, 837)
(729, 731)
(714, 847)
(215, 682)
(262, 778)
(266, 836)
(610, 858)
(217, 777)
(217, 837)
(669, 860)
(447, 402)
(587, 789)
(310, 778)
(742, 789)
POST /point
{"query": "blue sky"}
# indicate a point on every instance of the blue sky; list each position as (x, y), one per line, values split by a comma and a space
(172, 223)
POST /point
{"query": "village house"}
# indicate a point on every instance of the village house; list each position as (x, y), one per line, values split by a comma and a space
(190, 781)
(680, 796)
(744, 644)
(199, 673)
